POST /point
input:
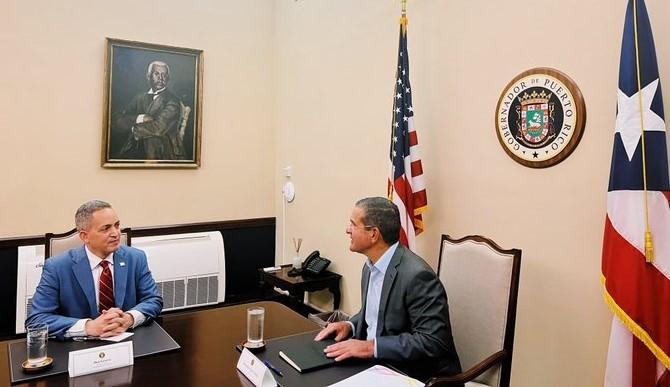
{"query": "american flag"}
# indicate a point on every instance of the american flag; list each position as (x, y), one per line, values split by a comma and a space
(637, 289)
(406, 187)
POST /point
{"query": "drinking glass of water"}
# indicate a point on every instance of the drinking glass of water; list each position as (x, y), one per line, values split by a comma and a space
(36, 341)
(255, 322)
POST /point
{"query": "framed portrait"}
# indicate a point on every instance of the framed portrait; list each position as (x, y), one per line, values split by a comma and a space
(153, 106)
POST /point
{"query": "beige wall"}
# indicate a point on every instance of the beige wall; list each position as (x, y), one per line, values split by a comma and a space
(51, 103)
(308, 84)
(335, 72)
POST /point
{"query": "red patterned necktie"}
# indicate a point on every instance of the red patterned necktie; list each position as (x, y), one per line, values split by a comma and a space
(106, 288)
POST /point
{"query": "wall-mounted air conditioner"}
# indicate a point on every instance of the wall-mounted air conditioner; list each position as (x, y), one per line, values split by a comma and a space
(189, 269)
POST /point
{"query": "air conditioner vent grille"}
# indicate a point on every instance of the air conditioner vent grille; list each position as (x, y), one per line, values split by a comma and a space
(189, 292)
(29, 306)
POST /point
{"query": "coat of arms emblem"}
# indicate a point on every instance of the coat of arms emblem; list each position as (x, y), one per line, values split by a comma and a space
(535, 119)
(540, 117)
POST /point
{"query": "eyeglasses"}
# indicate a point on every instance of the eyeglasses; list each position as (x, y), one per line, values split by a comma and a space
(352, 226)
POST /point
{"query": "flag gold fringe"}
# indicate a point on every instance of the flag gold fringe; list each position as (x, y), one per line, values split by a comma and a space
(634, 328)
(418, 224)
(420, 210)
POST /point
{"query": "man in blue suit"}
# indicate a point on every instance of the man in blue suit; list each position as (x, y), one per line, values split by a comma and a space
(74, 296)
(404, 317)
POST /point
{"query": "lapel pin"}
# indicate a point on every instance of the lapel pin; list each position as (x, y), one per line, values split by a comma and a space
(122, 264)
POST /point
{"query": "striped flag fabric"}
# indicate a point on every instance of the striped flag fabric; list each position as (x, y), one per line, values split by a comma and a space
(636, 243)
(406, 186)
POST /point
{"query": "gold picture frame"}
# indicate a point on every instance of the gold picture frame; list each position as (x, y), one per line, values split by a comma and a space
(153, 106)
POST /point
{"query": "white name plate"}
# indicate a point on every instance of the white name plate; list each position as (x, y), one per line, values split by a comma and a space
(106, 357)
(254, 369)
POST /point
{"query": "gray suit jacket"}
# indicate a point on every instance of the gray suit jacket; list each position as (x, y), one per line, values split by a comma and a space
(413, 329)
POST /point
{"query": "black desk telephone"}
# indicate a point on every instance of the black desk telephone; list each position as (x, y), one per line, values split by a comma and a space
(314, 265)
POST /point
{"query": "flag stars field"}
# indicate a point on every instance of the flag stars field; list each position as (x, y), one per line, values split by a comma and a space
(628, 119)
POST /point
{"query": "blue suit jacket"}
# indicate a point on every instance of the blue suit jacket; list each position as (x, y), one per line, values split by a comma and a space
(66, 292)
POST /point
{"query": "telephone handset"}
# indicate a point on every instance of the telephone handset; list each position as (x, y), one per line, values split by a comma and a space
(314, 265)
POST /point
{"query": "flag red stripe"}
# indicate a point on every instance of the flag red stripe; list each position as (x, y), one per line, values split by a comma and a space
(404, 191)
(637, 287)
(416, 168)
(644, 365)
(420, 199)
(399, 187)
(413, 138)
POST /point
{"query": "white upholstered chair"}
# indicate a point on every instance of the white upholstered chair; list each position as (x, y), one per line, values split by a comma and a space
(482, 283)
(60, 243)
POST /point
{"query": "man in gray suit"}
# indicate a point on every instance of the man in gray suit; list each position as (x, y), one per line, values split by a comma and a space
(404, 318)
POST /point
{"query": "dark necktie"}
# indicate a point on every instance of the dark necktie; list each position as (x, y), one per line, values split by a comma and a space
(106, 288)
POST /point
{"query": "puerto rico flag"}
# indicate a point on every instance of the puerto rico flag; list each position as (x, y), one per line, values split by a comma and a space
(637, 291)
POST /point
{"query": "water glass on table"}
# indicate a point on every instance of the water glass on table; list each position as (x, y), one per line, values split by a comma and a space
(36, 342)
(255, 323)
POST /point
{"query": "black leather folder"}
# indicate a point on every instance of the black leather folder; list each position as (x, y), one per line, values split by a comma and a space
(304, 354)
(315, 378)
(147, 340)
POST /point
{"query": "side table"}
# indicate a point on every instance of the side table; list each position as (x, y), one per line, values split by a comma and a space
(298, 285)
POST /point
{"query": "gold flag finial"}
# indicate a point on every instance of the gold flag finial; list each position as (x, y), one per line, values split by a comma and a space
(403, 17)
(648, 247)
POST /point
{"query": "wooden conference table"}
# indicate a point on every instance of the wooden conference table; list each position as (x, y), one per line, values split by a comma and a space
(207, 357)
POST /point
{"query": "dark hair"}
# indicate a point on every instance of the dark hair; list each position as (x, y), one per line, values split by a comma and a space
(82, 218)
(383, 214)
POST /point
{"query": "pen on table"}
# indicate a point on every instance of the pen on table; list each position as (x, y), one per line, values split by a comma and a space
(86, 338)
(273, 368)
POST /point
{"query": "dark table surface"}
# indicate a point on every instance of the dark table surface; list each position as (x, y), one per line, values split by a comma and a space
(207, 357)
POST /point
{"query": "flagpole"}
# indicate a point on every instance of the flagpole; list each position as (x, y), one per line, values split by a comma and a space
(403, 17)
(648, 243)
(403, 25)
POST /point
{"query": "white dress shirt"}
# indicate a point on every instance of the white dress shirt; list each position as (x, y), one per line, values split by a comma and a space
(375, 283)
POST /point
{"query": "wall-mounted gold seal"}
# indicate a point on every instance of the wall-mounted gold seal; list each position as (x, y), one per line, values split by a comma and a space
(540, 117)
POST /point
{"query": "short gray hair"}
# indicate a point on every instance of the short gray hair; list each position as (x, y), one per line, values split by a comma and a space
(383, 214)
(82, 218)
(150, 68)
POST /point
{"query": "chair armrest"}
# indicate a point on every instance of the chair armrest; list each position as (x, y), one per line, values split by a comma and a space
(470, 374)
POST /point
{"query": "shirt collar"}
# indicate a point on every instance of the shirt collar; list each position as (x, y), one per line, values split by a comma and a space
(152, 92)
(94, 260)
(383, 262)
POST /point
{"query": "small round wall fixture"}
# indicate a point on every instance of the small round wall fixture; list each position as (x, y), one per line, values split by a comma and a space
(540, 117)
(288, 191)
